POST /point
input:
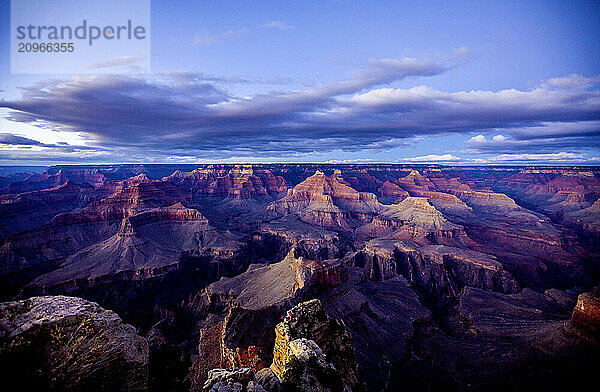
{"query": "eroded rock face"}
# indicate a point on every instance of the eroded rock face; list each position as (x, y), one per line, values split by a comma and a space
(145, 242)
(440, 270)
(311, 348)
(527, 323)
(28, 210)
(426, 265)
(239, 182)
(66, 343)
(47, 179)
(221, 380)
(268, 380)
(306, 369)
(586, 219)
(241, 380)
(240, 328)
(384, 318)
(390, 193)
(326, 201)
(586, 316)
(66, 234)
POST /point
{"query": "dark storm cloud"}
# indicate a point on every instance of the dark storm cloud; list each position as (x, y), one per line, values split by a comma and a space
(186, 114)
(186, 111)
(119, 109)
(14, 140)
(22, 143)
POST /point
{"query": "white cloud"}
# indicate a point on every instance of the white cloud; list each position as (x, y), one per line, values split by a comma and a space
(545, 137)
(477, 102)
(573, 81)
(478, 139)
(386, 96)
(432, 158)
(559, 156)
(349, 161)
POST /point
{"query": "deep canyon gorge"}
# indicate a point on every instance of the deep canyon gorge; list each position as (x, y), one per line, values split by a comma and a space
(300, 277)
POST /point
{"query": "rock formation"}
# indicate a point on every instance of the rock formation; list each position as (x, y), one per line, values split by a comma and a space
(68, 344)
(25, 211)
(145, 242)
(427, 266)
(240, 328)
(313, 351)
(585, 319)
(242, 380)
(306, 369)
(326, 201)
(390, 193)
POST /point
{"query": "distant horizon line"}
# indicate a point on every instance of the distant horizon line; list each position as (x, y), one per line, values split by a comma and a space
(309, 163)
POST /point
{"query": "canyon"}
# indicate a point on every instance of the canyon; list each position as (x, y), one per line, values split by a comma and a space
(281, 277)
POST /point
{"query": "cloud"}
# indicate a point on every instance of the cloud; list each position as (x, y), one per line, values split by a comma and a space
(432, 158)
(19, 149)
(551, 157)
(209, 39)
(52, 155)
(546, 137)
(321, 101)
(276, 24)
(574, 81)
(14, 140)
(477, 139)
(8, 141)
(193, 115)
(348, 161)
(117, 62)
(482, 109)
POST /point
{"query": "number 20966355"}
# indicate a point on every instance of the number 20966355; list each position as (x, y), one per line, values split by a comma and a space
(46, 47)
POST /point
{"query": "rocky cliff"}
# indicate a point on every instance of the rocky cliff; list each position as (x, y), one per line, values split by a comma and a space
(585, 320)
(68, 344)
(314, 352)
(241, 312)
(427, 266)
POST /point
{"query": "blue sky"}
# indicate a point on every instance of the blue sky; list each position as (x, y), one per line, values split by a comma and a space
(510, 82)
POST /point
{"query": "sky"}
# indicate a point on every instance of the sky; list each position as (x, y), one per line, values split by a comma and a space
(458, 83)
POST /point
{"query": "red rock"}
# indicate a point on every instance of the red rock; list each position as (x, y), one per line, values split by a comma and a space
(326, 201)
(390, 193)
(586, 316)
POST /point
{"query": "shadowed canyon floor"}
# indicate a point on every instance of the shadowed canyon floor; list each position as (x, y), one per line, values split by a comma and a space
(337, 277)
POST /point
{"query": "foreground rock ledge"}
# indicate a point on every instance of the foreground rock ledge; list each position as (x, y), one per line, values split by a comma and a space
(585, 321)
(69, 344)
(314, 352)
(241, 380)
